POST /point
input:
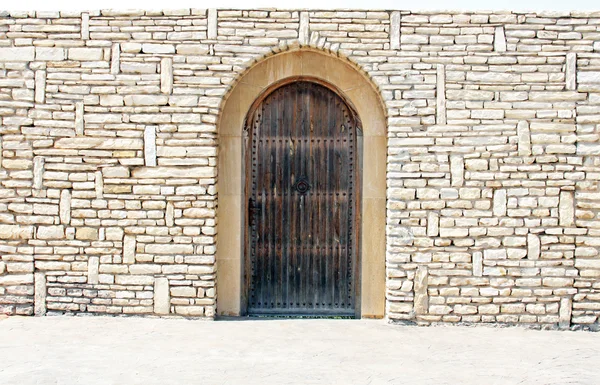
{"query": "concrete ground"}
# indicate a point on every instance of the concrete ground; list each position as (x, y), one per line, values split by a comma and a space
(128, 351)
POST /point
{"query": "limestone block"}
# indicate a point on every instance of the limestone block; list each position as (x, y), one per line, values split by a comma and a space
(566, 209)
(183, 100)
(469, 94)
(433, 224)
(50, 232)
(64, 207)
(16, 232)
(524, 137)
(115, 172)
(173, 172)
(170, 248)
(395, 30)
(39, 298)
(129, 246)
(447, 232)
(83, 143)
(499, 203)
(169, 214)
(199, 213)
(588, 77)
(494, 254)
(457, 170)
(477, 264)
(50, 54)
(421, 300)
(493, 77)
(138, 68)
(115, 59)
(166, 75)
(587, 263)
(17, 54)
(564, 313)
(85, 26)
(38, 172)
(212, 23)
(158, 48)
(499, 39)
(16, 279)
(304, 28)
(93, 268)
(111, 100)
(86, 54)
(571, 71)
(145, 269)
(99, 184)
(584, 148)
(441, 94)
(533, 246)
(40, 86)
(192, 49)
(183, 291)
(114, 234)
(162, 299)
(134, 280)
(79, 123)
(476, 164)
(87, 234)
(146, 100)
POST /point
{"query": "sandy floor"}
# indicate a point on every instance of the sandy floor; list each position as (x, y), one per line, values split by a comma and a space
(126, 351)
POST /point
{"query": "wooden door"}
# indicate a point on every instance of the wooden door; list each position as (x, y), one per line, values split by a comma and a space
(301, 189)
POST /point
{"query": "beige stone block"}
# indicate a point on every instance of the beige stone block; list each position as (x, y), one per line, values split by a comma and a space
(421, 300)
(50, 232)
(111, 100)
(84, 143)
(15, 232)
(86, 234)
(172, 248)
(499, 203)
(566, 209)
(134, 280)
(183, 291)
(86, 54)
(129, 247)
(565, 312)
(199, 213)
(173, 172)
(115, 172)
(39, 297)
(16, 279)
(93, 268)
(162, 300)
(533, 246)
(17, 54)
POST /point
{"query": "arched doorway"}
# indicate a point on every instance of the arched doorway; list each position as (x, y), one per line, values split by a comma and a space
(359, 92)
(301, 147)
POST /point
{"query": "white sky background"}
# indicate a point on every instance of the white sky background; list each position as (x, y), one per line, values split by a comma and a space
(520, 5)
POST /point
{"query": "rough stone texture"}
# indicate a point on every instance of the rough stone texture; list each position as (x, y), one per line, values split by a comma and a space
(516, 159)
(162, 304)
(40, 294)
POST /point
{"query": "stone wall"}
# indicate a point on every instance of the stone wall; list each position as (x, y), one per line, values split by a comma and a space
(109, 151)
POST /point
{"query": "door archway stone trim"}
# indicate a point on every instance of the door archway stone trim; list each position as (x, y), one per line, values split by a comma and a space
(362, 95)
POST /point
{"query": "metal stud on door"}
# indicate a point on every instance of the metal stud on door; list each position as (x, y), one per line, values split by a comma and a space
(302, 203)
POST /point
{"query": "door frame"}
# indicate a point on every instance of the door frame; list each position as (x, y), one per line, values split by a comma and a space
(246, 167)
(370, 103)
